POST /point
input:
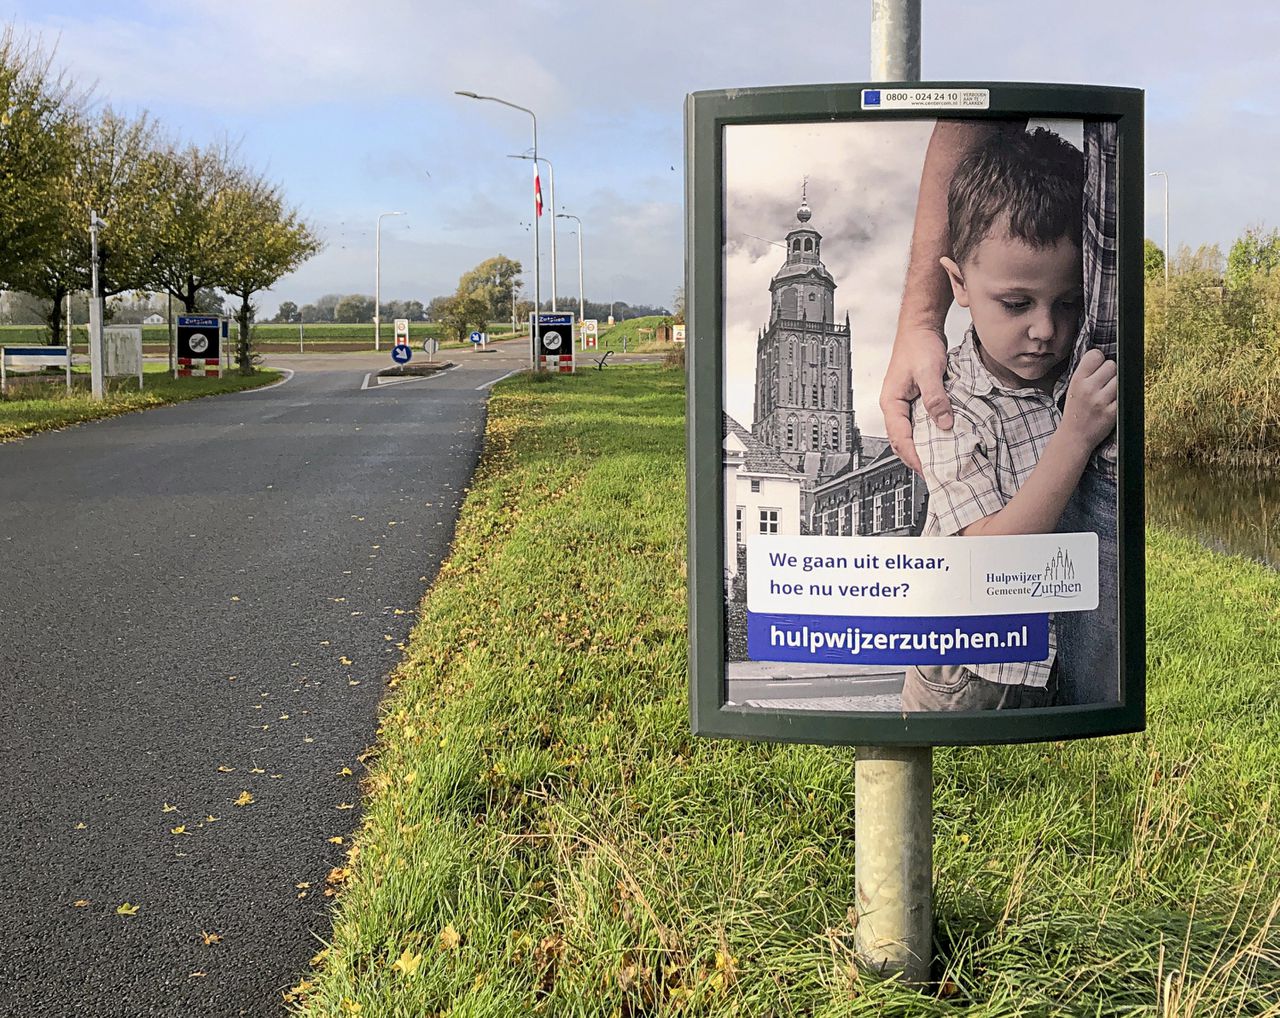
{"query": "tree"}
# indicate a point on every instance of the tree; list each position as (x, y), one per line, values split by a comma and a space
(271, 242)
(1206, 261)
(1152, 261)
(354, 307)
(678, 301)
(114, 175)
(37, 122)
(493, 281)
(462, 313)
(288, 312)
(1254, 254)
(195, 234)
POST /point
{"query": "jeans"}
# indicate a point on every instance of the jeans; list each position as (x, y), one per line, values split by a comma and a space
(1088, 643)
(955, 687)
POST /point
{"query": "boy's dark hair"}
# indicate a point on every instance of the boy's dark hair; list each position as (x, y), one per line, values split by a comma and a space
(1035, 178)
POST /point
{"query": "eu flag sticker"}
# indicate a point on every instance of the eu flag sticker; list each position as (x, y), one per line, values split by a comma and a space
(870, 97)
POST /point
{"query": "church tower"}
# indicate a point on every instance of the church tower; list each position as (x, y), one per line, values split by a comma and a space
(804, 380)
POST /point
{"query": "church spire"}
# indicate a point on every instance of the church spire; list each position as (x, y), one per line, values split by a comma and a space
(804, 213)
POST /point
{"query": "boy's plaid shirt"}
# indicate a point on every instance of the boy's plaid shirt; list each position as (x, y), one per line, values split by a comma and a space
(974, 469)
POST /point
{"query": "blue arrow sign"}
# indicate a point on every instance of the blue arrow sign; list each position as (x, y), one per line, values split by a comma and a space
(401, 354)
(477, 337)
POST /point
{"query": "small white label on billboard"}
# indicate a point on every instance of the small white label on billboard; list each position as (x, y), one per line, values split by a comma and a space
(926, 99)
(922, 576)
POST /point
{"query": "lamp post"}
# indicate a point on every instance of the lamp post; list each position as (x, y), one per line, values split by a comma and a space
(551, 180)
(377, 280)
(1161, 173)
(581, 300)
(95, 312)
(537, 264)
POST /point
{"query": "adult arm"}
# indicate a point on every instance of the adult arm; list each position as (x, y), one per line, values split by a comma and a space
(920, 345)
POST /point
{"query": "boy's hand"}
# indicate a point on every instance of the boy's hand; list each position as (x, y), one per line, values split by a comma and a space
(1090, 412)
(915, 369)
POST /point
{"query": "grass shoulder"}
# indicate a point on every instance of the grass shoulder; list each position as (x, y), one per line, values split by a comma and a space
(26, 413)
(543, 834)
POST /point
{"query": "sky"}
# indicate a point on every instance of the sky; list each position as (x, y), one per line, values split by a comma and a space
(351, 108)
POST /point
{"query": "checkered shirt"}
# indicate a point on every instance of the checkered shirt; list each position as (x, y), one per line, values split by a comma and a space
(974, 469)
(1098, 325)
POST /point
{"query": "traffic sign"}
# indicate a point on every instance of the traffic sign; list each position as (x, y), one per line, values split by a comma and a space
(430, 346)
(402, 331)
(400, 353)
(477, 338)
(590, 333)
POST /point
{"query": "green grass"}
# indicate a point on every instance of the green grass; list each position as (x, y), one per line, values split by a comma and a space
(611, 338)
(24, 413)
(537, 792)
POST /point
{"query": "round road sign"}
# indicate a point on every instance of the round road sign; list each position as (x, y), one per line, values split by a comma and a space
(199, 343)
(552, 340)
(401, 354)
(477, 337)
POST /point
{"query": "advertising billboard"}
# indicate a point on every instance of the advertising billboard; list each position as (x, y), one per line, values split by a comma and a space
(915, 406)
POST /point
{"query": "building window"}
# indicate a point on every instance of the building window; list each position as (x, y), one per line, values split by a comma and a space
(830, 523)
(815, 438)
(835, 434)
(769, 521)
(846, 520)
(808, 243)
(877, 518)
(900, 507)
(857, 516)
(737, 525)
(791, 432)
(812, 297)
(755, 486)
(813, 395)
(791, 390)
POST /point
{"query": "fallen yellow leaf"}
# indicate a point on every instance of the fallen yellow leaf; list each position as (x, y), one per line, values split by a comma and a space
(302, 886)
(450, 938)
(81, 903)
(180, 829)
(82, 826)
(127, 909)
(197, 975)
(257, 770)
(235, 598)
(346, 805)
(354, 682)
(212, 819)
(223, 768)
(345, 772)
(166, 808)
(407, 964)
(345, 660)
(246, 797)
(336, 840)
(210, 938)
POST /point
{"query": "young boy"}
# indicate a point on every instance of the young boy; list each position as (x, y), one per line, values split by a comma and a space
(1012, 459)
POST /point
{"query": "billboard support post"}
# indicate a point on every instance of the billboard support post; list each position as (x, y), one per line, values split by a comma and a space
(893, 787)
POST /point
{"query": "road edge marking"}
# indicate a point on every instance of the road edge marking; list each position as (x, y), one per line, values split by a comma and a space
(497, 380)
(288, 377)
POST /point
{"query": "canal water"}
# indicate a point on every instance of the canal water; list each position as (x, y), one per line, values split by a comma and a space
(1234, 511)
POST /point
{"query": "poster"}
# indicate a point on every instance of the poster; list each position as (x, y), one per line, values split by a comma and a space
(985, 580)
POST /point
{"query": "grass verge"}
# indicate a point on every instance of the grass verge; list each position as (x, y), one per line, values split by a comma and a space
(25, 414)
(543, 835)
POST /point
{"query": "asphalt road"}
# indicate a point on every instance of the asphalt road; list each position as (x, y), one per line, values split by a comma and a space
(197, 602)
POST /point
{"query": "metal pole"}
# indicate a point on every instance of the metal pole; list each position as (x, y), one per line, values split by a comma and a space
(555, 286)
(95, 312)
(300, 332)
(377, 281)
(1161, 173)
(581, 299)
(895, 40)
(893, 787)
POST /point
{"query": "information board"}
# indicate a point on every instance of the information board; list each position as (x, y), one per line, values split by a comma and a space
(874, 577)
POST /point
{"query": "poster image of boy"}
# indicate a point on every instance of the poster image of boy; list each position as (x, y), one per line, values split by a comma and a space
(1025, 425)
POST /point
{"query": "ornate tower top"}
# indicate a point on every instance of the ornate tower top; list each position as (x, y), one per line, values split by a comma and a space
(804, 213)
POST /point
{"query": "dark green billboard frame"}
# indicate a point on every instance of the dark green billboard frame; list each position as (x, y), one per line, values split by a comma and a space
(706, 116)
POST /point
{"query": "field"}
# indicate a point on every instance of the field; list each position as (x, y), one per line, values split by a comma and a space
(543, 835)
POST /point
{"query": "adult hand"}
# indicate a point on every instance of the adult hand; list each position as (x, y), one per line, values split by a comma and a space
(915, 369)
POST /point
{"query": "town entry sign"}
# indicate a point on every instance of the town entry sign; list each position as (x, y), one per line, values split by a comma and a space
(870, 576)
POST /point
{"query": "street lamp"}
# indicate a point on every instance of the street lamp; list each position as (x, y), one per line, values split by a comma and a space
(377, 280)
(581, 300)
(537, 264)
(1161, 173)
(551, 180)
